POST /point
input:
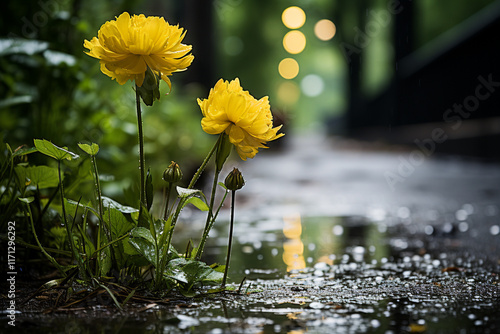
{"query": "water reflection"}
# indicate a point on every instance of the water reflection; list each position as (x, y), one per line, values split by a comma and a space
(293, 247)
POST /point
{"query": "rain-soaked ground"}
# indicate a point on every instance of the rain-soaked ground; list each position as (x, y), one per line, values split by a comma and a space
(336, 238)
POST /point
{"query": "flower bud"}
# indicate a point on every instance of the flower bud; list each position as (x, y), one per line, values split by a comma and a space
(150, 88)
(234, 180)
(173, 173)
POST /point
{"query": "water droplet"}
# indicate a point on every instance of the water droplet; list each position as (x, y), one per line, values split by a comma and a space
(317, 305)
(274, 252)
(338, 230)
(461, 214)
(447, 227)
(463, 227)
(403, 212)
(495, 230)
(247, 249)
(428, 230)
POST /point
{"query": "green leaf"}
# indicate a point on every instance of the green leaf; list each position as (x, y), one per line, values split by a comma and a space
(92, 149)
(142, 232)
(197, 202)
(143, 242)
(71, 206)
(41, 176)
(189, 272)
(110, 203)
(59, 153)
(185, 192)
(118, 222)
(27, 200)
(105, 261)
(20, 151)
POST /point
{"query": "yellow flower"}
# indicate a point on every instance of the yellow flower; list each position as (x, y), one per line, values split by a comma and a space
(129, 45)
(247, 122)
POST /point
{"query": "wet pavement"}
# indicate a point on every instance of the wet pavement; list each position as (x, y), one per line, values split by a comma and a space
(335, 237)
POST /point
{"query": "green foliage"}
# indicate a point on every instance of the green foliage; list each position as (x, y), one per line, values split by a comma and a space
(91, 149)
(59, 153)
(42, 177)
(50, 90)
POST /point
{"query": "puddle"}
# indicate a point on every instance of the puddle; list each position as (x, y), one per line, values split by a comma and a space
(324, 275)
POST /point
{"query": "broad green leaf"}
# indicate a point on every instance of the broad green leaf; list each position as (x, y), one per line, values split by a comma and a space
(197, 202)
(71, 207)
(174, 270)
(23, 151)
(197, 271)
(110, 203)
(59, 153)
(185, 192)
(118, 222)
(142, 232)
(191, 272)
(92, 149)
(27, 200)
(41, 176)
(105, 261)
(143, 242)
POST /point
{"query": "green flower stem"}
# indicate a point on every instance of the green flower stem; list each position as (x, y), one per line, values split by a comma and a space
(65, 220)
(230, 242)
(167, 200)
(204, 164)
(61, 189)
(99, 207)
(208, 223)
(47, 255)
(98, 188)
(141, 146)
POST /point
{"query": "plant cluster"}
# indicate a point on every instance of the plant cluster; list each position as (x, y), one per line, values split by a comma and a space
(103, 240)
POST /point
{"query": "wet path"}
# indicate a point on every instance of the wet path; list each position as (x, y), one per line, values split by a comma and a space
(325, 244)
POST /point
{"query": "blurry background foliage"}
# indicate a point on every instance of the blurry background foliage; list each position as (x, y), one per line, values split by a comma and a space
(50, 89)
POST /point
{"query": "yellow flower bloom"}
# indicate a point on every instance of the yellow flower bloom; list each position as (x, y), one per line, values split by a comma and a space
(247, 122)
(129, 45)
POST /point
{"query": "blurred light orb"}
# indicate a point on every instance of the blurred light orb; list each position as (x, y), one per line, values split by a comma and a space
(325, 29)
(288, 92)
(288, 68)
(233, 45)
(312, 85)
(293, 17)
(294, 42)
